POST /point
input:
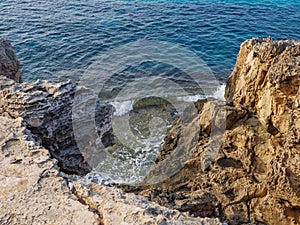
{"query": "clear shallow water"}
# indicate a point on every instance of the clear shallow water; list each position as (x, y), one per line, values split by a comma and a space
(58, 39)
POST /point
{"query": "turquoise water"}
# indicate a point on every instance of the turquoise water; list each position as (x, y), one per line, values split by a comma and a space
(57, 40)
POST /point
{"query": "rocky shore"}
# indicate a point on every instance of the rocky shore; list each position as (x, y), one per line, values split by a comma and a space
(37, 144)
(244, 165)
(253, 174)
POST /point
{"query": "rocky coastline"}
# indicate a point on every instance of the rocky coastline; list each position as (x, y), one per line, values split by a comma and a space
(245, 172)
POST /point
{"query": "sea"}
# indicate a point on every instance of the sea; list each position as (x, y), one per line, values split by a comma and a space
(189, 47)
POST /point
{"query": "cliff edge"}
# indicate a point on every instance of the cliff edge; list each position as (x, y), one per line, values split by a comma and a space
(245, 166)
(37, 144)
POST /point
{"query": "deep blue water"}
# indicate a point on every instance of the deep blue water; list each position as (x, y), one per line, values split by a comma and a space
(58, 39)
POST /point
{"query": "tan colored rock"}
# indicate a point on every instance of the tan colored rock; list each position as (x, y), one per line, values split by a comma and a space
(118, 207)
(266, 80)
(31, 190)
(253, 175)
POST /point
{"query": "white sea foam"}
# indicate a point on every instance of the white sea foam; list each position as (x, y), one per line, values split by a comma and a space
(190, 98)
(124, 107)
(219, 94)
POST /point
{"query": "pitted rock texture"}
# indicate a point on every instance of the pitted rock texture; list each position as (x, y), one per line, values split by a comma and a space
(31, 191)
(266, 80)
(46, 108)
(248, 169)
(9, 63)
(117, 207)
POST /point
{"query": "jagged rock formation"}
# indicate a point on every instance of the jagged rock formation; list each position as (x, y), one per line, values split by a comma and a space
(37, 143)
(46, 108)
(253, 175)
(117, 207)
(31, 190)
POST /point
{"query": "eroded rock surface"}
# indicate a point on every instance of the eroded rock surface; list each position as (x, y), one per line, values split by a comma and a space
(248, 169)
(37, 143)
(46, 108)
(31, 192)
(117, 207)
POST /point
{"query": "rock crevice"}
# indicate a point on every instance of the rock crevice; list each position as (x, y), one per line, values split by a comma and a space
(253, 175)
(37, 143)
(244, 154)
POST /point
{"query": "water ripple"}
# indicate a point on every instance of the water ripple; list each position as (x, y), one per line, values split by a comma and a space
(58, 36)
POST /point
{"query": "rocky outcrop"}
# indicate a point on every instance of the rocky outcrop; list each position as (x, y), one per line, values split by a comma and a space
(37, 143)
(10, 65)
(245, 166)
(46, 108)
(117, 207)
(32, 192)
(244, 154)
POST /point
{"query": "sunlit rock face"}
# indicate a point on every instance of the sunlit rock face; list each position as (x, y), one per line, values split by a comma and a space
(253, 175)
(37, 143)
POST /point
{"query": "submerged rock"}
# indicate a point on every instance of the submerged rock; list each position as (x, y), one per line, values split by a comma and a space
(243, 155)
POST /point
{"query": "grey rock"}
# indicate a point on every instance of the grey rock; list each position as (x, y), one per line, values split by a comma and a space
(117, 207)
(10, 65)
(46, 108)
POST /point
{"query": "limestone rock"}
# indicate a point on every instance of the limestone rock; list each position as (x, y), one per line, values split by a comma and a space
(31, 191)
(245, 167)
(9, 63)
(36, 126)
(46, 109)
(117, 207)
(266, 80)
